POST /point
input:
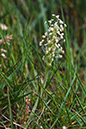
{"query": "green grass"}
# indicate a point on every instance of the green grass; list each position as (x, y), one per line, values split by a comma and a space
(63, 102)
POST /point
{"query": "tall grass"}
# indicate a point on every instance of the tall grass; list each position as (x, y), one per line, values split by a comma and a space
(22, 73)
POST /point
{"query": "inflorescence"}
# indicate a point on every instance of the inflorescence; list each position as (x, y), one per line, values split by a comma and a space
(51, 40)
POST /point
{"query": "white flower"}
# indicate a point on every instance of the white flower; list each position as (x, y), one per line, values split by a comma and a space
(56, 45)
(41, 42)
(60, 21)
(51, 44)
(64, 40)
(3, 55)
(3, 50)
(50, 29)
(53, 14)
(62, 51)
(62, 28)
(57, 16)
(45, 33)
(65, 25)
(57, 40)
(46, 52)
(64, 127)
(51, 24)
(43, 36)
(50, 33)
(60, 56)
(50, 21)
(3, 26)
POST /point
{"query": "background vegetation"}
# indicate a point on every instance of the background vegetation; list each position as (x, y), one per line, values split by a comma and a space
(22, 71)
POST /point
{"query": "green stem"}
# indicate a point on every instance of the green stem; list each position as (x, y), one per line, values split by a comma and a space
(36, 103)
(11, 117)
(45, 81)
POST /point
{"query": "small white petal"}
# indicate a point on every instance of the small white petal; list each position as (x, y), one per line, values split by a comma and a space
(62, 51)
(3, 26)
(60, 56)
(57, 40)
(60, 21)
(57, 16)
(65, 25)
(50, 33)
(64, 40)
(46, 52)
(45, 34)
(3, 55)
(64, 127)
(50, 21)
(3, 50)
(53, 14)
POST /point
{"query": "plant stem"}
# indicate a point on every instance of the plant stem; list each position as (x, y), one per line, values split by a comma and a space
(11, 117)
(45, 81)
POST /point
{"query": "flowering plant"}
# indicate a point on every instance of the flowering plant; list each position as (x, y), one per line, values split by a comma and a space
(51, 40)
(51, 44)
